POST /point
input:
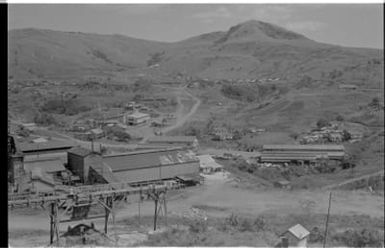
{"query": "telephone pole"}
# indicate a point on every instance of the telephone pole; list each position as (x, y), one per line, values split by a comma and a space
(327, 219)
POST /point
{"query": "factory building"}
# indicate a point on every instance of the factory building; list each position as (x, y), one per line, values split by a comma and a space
(134, 167)
(152, 165)
(301, 153)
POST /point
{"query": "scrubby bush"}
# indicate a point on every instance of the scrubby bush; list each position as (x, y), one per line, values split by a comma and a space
(322, 123)
(346, 135)
(244, 224)
(360, 238)
(44, 119)
(339, 118)
(236, 92)
(66, 107)
(141, 85)
(23, 132)
(117, 132)
(293, 136)
(198, 226)
(316, 235)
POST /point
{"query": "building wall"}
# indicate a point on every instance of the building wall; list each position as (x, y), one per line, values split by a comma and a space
(76, 164)
(94, 177)
(90, 159)
(156, 173)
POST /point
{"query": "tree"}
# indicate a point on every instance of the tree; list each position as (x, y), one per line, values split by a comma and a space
(44, 119)
(339, 118)
(23, 132)
(375, 102)
(322, 123)
(346, 135)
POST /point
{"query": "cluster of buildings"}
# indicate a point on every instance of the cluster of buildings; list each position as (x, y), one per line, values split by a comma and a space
(44, 167)
(116, 117)
(329, 134)
(324, 135)
(221, 134)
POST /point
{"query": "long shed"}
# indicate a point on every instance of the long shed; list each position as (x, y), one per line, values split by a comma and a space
(152, 165)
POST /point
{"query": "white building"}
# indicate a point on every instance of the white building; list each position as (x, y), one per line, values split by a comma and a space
(208, 164)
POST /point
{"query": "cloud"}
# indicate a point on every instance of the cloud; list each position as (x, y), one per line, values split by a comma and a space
(211, 15)
(271, 13)
(303, 26)
(127, 9)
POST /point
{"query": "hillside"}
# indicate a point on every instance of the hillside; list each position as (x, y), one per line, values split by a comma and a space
(248, 50)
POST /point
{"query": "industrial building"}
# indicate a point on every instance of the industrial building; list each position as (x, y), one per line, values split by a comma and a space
(51, 147)
(152, 165)
(179, 141)
(301, 153)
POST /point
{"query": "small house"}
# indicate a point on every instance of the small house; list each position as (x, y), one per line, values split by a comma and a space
(97, 133)
(29, 126)
(283, 184)
(348, 86)
(295, 236)
(136, 118)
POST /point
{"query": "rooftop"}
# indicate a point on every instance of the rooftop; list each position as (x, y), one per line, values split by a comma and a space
(299, 231)
(49, 145)
(160, 139)
(304, 147)
(208, 161)
(138, 115)
(80, 151)
(38, 174)
(148, 158)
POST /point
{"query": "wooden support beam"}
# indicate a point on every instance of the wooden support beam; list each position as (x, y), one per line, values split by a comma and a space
(51, 228)
(165, 207)
(156, 212)
(107, 212)
(88, 218)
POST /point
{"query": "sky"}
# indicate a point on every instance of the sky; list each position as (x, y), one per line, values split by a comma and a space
(354, 25)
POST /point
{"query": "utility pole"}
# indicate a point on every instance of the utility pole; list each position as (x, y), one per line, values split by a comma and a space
(327, 219)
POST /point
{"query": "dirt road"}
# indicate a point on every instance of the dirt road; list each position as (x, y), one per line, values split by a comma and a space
(182, 119)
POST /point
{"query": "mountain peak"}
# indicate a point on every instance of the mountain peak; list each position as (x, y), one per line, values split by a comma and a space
(254, 30)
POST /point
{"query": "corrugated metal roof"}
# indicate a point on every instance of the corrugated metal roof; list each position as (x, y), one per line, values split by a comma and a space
(304, 147)
(46, 165)
(49, 145)
(147, 159)
(160, 139)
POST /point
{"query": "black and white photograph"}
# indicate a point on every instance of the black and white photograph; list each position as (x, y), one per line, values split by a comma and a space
(195, 124)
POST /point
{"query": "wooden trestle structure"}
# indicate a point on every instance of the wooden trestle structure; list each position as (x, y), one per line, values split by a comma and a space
(77, 201)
